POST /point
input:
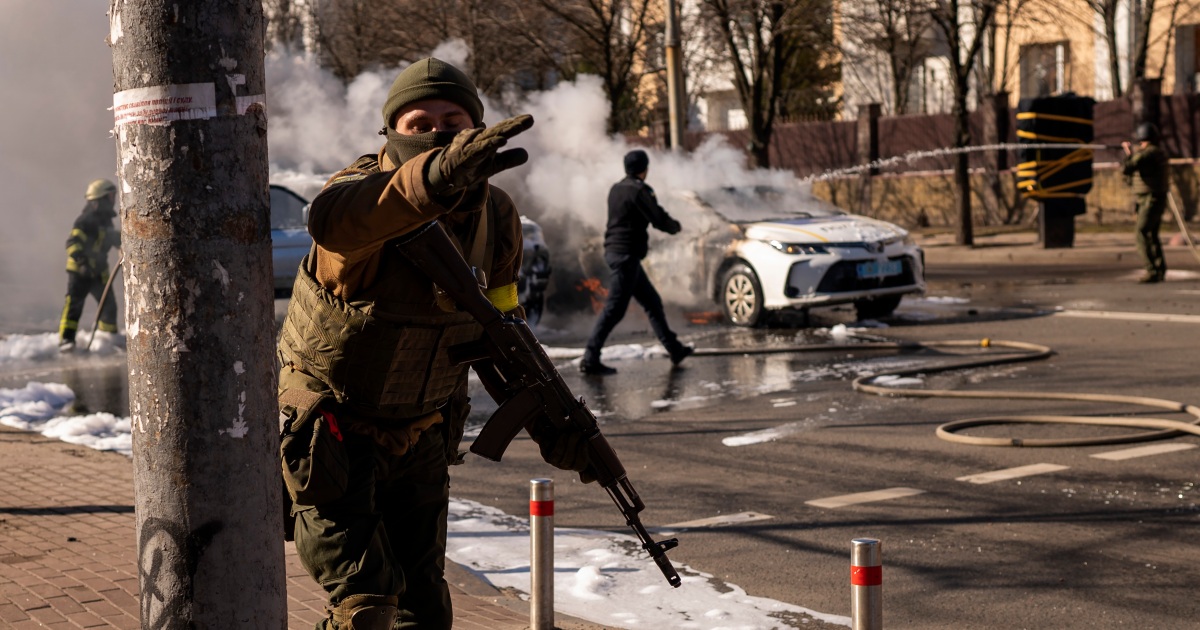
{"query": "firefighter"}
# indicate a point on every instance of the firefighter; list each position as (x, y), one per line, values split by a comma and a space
(92, 236)
(367, 392)
(1146, 170)
(632, 209)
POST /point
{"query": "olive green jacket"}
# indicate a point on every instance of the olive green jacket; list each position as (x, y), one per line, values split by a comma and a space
(1146, 171)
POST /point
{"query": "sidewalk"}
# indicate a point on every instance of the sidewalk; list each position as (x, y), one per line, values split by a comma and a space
(68, 554)
(1104, 248)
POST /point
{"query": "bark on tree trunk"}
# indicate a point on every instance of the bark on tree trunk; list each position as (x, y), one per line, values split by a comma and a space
(192, 149)
(962, 174)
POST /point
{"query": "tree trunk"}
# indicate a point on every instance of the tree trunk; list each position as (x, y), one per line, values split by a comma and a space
(1114, 61)
(962, 174)
(192, 149)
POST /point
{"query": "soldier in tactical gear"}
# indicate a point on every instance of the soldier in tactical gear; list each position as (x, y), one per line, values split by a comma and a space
(632, 209)
(1146, 170)
(372, 410)
(91, 238)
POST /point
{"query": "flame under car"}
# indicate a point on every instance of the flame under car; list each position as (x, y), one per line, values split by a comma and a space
(762, 250)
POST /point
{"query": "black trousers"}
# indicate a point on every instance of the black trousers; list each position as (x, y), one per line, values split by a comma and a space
(629, 281)
(78, 288)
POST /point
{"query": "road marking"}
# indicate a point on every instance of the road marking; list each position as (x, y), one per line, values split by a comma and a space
(724, 519)
(864, 497)
(1012, 473)
(1143, 451)
(1132, 317)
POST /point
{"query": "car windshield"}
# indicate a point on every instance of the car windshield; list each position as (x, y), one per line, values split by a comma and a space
(287, 209)
(742, 204)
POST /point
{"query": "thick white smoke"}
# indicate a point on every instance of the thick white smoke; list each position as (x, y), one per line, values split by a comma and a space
(54, 138)
(55, 126)
(318, 126)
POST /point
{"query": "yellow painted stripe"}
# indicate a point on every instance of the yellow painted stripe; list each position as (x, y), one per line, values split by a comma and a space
(802, 231)
(1041, 116)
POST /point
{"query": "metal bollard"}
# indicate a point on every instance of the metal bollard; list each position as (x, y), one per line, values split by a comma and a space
(541, 554)
(866, 584)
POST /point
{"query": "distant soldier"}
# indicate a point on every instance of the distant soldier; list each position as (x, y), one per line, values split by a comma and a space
(1146, 170)
(87, 261)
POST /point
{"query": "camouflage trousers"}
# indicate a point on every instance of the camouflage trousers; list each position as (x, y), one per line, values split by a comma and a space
(1149, 219)
(387, 535)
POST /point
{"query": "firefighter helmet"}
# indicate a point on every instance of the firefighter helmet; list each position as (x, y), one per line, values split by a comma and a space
(100, 188)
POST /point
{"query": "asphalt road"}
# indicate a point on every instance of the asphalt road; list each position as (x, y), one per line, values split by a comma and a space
(1093, 543)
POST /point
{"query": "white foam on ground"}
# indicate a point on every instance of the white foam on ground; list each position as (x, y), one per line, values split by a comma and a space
(607, 579)
(44, 346)
(939, 299)
(39, 407)
(765, 435)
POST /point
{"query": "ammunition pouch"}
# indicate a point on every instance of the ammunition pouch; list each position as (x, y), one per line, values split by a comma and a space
(316, 466)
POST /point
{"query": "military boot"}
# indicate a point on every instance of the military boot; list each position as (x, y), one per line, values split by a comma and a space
(364, 612)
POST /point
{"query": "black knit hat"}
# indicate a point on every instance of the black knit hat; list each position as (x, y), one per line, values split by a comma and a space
(432, 78)
(636, 162)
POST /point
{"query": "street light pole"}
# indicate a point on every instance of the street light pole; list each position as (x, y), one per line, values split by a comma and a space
(191, 135)
(676, 95)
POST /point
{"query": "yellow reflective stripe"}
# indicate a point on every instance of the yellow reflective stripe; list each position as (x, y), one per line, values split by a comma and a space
(64, 323)
(103, 327)
(1038, 115)
(1029, 135)
(75, 248)
(503, 298)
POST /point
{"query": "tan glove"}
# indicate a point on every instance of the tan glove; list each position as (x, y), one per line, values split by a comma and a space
(474, 155)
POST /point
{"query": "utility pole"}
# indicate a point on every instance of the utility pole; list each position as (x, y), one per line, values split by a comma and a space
(676, 95)
(191, 136)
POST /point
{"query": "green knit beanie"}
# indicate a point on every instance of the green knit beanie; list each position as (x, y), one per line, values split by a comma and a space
(432, 78)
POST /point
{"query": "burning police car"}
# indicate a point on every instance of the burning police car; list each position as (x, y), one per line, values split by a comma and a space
(768, 249)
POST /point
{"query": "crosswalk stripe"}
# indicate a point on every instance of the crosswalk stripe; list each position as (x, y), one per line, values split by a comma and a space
(1143, 451)
(1133, 317)
(724, 519)
(1012, 473)
(864, 497)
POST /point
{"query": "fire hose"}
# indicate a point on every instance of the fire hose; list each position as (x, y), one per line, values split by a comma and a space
(1019, 351)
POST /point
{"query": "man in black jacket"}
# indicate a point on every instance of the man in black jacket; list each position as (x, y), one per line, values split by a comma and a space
(632, 208)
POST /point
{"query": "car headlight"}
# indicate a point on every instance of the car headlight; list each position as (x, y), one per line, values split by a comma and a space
(796, 249)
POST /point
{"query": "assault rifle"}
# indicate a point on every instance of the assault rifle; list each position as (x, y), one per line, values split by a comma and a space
(520, 377)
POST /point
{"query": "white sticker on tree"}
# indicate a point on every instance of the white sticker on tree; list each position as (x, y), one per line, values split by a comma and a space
(164, 103)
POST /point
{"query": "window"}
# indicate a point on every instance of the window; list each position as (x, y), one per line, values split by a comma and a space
(1045, 69)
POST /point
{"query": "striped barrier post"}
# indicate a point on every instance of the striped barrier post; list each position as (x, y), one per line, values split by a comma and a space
(866, 584)
(541, 554)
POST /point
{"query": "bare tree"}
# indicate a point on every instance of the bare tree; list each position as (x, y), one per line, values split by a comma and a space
(351, 34)
(965, 25)
(896, 29)
(285, 23)
(763, 41)
(606, 37)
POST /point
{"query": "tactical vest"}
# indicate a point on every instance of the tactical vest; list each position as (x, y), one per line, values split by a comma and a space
(382, 358)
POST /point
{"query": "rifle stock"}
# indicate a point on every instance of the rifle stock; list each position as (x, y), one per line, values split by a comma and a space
(519, 375)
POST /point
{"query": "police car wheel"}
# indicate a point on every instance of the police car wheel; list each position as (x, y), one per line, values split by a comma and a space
(741, 296)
